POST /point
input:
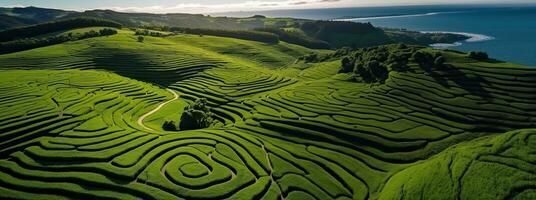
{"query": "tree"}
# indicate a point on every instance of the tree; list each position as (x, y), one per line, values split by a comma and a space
(347, 65)
(107, 31)
(418, 57)
(140, 38)
(397, 62)
(169, 126)
(196, 116)
(379, 72)
(478, 55)
(312, 57)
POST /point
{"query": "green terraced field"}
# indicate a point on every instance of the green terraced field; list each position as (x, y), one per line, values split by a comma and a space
(82, 120)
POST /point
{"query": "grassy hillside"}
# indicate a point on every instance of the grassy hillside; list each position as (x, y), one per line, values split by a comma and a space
(81, 120)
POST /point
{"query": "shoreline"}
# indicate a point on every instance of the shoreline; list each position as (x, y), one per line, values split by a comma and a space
(472, 37)
(384, 16)
(372, 17)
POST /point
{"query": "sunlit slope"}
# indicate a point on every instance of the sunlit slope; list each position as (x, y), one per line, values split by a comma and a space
(291, 131)
(159, 60)
(41, 104)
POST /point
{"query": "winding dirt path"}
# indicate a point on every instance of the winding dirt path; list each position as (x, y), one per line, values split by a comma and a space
(140, 120)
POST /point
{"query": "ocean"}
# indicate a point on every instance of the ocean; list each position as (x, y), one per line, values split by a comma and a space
(506, 32)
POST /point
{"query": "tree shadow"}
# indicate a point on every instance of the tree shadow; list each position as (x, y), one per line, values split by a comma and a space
(472, 83)
(160, 68)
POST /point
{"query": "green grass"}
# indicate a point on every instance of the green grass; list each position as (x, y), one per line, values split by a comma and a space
(69, 124)
(493, 167)
(169, 112)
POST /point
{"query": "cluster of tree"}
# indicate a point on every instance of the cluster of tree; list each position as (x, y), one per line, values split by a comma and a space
(427, 60)
(478, 55)
(50, 27)
(91, 34)
(196, 116)
(30, 43)
(238, 34)
(310, 58)
(295, 38)
(146, 32)
(107, 31)
(372, 65)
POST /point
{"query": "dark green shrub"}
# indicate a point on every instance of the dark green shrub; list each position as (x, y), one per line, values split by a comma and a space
(107, 31)
(478, 55)
(427, 60)
(347, 65)
(169, 126)
(196, 116)
(140, 38)
(418, 57)
(309, 58)
(373, 72)
(397, 62)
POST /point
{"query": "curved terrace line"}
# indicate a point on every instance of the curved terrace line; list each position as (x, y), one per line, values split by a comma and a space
(142, 118)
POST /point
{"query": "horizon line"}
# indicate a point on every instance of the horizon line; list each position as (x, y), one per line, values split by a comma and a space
(281, 9)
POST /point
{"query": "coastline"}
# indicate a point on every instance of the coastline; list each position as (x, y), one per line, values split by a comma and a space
(372, 17)
(472, 37)
(384, 16)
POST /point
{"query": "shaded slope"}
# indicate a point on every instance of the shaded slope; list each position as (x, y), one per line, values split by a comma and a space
(7, 21)
(495, 167)
(17, 17)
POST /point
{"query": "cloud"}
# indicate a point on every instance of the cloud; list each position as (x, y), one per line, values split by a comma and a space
(244, 6)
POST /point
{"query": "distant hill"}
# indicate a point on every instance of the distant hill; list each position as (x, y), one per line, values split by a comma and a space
(36, 15)
(30, 15)
(7, 21)
(303, 32)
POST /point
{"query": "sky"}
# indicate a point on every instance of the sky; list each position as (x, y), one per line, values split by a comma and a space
(211, 6)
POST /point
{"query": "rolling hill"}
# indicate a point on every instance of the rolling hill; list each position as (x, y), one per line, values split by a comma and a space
(83, 119)
(309, 33)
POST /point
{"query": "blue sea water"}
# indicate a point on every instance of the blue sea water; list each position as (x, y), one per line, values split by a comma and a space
(510, 29)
